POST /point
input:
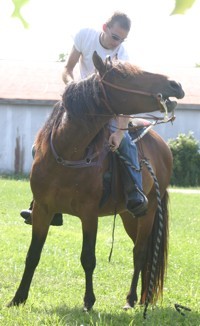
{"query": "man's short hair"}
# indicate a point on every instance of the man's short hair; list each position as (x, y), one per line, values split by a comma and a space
(121, 18)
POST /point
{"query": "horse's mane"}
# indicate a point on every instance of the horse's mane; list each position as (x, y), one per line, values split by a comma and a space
(81, 99)
(126, 68)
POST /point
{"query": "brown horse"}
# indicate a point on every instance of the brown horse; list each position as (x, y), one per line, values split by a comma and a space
(67, 172)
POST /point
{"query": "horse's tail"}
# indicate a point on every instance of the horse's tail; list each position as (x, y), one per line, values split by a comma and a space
(160, 269)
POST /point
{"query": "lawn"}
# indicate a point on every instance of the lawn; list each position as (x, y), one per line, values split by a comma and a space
(57, 290)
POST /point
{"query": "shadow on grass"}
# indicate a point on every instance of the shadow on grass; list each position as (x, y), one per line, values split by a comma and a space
(133, 317)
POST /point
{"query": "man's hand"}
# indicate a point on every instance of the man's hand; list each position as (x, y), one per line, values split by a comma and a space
(115, 139)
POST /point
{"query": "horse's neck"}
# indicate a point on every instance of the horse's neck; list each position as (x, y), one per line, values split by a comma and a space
(85, 116)
(73, 138)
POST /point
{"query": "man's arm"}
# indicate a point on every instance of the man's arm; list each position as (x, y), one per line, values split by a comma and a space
(73, 58)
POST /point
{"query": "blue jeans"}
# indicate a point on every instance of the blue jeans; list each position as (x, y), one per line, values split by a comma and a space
(128, 150)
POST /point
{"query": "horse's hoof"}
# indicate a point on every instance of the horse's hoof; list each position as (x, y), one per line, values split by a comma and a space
(86, 309)
(15, 302)
(127, 306)
(88, 303)
(10, 304)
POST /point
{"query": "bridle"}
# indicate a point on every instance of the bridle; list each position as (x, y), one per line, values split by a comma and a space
(103, 82)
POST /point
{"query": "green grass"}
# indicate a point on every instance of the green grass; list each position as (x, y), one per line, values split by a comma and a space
(57, 290)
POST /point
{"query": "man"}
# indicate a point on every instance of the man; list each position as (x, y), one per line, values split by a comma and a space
(109, 41)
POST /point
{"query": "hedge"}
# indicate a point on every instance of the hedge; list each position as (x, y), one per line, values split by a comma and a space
(186, 155)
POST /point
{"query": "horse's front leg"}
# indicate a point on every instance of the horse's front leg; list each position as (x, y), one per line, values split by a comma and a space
(41, 221)
(88, 259)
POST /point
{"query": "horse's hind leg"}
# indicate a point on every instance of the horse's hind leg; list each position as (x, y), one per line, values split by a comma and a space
(131, 226)
(88, 259)
(39, 232)
(139, 231)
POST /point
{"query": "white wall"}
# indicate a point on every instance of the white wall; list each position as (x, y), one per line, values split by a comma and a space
(187, 119)
(18, 127)
(20, 122)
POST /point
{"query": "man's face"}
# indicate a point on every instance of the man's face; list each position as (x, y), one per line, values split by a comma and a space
(114, 35)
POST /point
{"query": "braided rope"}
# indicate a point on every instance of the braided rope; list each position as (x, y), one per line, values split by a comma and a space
(158, 239)
(128, 163)
(160, 225)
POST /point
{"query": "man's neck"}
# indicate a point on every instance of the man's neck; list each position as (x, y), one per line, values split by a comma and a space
(102, 42)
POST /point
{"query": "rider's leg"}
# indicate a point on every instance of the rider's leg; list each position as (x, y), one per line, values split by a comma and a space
(136, 201)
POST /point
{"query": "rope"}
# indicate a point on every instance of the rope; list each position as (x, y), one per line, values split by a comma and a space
(178, 307)
(160, 226)
(158, 239)
(128, 163)
(113, 237)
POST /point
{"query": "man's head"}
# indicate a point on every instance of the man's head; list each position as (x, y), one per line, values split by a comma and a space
(122, 19)
(116, 30)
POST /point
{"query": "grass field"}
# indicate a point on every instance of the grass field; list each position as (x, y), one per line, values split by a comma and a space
(57, 290)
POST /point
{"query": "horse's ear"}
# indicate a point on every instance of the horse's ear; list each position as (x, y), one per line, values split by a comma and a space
(98, 63)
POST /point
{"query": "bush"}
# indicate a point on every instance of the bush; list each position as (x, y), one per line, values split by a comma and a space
(186, 154)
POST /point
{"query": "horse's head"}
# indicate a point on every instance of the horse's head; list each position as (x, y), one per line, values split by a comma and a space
(131, 90)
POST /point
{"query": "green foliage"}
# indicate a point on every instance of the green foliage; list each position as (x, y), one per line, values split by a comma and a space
(62, 57)
(186, 155)
(18, 4)
(181, 6)
(57, 290)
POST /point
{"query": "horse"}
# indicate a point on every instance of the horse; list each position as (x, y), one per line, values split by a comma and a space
(71, 159)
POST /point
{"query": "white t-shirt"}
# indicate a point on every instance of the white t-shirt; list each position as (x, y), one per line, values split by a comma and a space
(87, 41)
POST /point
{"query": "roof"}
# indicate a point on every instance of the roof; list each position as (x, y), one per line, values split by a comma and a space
(31, 80)
(42, 80)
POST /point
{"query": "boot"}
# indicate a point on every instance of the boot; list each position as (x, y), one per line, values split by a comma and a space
(136, 201)
(26, 214)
